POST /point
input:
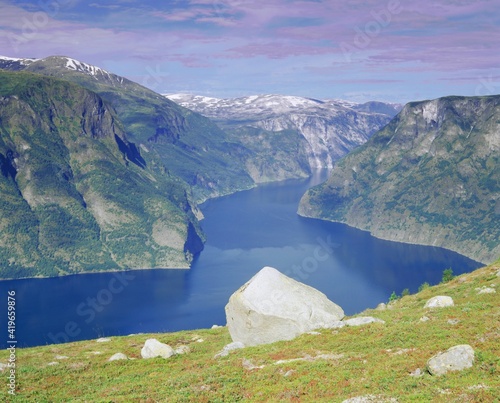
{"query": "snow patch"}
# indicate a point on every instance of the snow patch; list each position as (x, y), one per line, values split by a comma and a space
(76, 65)
(15, 59)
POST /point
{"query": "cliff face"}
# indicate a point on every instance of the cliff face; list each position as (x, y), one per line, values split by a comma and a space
(175, 141)
(286, 136)
(75, 194)
(431, 176)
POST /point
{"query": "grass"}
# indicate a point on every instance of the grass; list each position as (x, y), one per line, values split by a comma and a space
(376, 359)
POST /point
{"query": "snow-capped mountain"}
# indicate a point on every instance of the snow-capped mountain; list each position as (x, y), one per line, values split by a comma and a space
(331, 128)
(60, 66)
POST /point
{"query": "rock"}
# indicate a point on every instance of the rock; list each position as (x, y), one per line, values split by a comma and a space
(52, 363)
(3, 366)
(456, 358)
(272, 307)
(216, 326)
(439, 302)
(417, 373)
(182, 350)
(153, 348)
(249, 365)
(370, 399)
(487, 290)
(453, 321)
(424, 319)
(229, 347)
(103, 340)
(338, 324)
(498, 273)
(381, 307)
(118, 356)
(362, 320)
(61, 357)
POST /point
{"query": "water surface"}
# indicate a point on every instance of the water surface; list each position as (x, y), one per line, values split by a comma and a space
(245, 232)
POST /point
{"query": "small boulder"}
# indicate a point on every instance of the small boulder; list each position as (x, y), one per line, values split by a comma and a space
(424, 319)
(381, 307)
(229, 347)
(439, 302)
(182, 350)
(362, 320)
(272, 307)
(103, 340)
(487, 290)
(118, 356)
(456, 358)
(3, 366)
(153, 348)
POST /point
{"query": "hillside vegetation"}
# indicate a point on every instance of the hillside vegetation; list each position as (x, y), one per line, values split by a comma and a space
(75, 193)
(431, 176)
(330, 366)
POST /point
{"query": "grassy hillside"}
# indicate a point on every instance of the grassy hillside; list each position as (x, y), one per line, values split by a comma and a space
(431, 176)
(334, 365)
(75, 194)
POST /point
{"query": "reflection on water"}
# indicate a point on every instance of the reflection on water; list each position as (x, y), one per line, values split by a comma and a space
(245, 232)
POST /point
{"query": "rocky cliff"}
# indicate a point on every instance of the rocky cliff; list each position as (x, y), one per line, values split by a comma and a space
(431, 176)
(288, 135)
(75, 193)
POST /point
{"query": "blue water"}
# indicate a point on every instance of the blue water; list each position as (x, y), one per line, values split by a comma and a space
(245, 232)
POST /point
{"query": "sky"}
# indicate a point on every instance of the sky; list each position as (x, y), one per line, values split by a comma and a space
(358, 50)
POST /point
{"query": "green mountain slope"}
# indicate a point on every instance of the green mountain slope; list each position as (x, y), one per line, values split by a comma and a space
(180, 141)
(432, 176)
(75, 194)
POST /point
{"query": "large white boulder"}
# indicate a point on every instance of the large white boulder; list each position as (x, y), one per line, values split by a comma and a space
(272, 307)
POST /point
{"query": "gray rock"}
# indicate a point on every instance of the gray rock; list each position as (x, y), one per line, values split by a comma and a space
(381, 307)
(439, 302)
(456, 358)
(229, 347)
(424, 319)
(338, 324)
(417, 373)
(487, 290)
(118, 356)
(61, 357)
(3, 366)
(153, 348)
(362, 320)
(272, 307)
(103, 340)
(182, 350)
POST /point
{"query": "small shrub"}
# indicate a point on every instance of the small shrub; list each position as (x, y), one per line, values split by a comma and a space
(393, 297)
(447, 275)
(405, 292)
(424, 286)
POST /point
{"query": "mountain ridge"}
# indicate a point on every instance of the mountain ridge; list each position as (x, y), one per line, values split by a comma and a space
(429, 177)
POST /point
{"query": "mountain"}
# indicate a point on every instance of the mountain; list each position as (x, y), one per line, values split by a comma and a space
(431, 176)
(172, 139)
(75, 193)
(289, 134)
